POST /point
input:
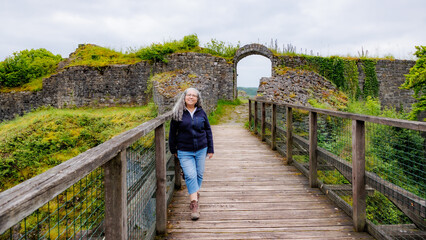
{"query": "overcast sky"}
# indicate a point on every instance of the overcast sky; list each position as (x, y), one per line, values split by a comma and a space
(335, 27)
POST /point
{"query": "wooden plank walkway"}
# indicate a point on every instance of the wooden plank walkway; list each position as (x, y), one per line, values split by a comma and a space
(248, 193)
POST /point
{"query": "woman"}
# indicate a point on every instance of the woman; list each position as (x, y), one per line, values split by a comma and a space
(191, 140)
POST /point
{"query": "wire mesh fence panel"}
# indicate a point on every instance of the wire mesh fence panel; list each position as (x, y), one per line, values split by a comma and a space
(396, 161)
(301, 123)
(281, 129)
(141, 186)
(268, 122)
(334, 137)
(76, 213)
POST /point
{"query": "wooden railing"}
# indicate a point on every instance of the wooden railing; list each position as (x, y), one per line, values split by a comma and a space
(22, 200)
(412, 205)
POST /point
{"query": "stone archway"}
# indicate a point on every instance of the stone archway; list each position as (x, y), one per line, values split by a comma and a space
(247, 50)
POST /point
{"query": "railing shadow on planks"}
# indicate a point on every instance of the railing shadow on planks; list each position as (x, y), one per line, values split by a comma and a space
(117, 190)
(364, 156)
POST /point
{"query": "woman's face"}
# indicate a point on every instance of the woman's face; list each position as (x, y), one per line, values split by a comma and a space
(191, 98)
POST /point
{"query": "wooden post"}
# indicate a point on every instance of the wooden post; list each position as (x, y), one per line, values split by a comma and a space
(274, 127)
(255, 117)
(160, 171)
(313, 183)
(116, 197)
(358, 175)
(289, 115)
(262, 122)
(178, 178)
(250, 117)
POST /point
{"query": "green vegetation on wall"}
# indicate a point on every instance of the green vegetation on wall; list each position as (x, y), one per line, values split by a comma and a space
(221, 49)
(343, 72)
(157, 52)
(331, 68)
(371, 84)
(27, 65)
(416, 80)
(96, 56)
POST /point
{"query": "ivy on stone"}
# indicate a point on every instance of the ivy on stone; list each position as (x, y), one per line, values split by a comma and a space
(371, 84)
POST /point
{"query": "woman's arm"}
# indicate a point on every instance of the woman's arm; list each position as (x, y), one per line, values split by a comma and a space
(173, 136)
(209, 135)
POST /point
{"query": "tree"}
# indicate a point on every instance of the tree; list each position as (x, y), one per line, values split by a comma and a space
(416, 80)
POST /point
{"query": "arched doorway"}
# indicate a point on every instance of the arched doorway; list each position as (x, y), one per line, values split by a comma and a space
(247, 50)
(250, 70)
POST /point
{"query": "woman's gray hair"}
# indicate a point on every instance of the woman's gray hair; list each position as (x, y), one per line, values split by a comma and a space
(180, 104)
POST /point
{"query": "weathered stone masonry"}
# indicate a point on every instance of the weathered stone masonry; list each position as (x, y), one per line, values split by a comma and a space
(119, 84)
(390, 75)
(126, 84)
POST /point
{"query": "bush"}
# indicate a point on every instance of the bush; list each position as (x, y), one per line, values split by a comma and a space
(27, 65)
(220, 48)
(191, 41)
(157, 52)
(416, 80)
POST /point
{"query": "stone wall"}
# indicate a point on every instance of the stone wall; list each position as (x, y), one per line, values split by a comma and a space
(390, 75)
(214, 75)
(82, 86)
(120, 85)
(126, 84)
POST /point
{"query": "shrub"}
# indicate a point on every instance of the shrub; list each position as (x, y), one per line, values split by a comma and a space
(27, 65)
(191, 41)
(220, 48)
(157, 52)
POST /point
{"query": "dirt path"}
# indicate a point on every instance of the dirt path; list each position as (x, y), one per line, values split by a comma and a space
(235, 115)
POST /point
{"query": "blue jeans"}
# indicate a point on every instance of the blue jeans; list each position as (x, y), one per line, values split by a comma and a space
(192, 164)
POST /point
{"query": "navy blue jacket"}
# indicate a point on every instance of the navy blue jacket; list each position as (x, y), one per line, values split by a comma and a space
(191, 134)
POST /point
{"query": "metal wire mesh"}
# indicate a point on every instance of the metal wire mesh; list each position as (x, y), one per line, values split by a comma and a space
(334, 135)
(300, 131)
(268, 122)
(281, 129)
(301, 123)
(141, 186)
(397, 162)
(76, 213)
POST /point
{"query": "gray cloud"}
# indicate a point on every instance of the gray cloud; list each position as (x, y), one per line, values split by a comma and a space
(333, 27)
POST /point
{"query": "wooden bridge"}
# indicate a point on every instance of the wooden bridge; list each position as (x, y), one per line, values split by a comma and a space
(248, 193)
(124, 188)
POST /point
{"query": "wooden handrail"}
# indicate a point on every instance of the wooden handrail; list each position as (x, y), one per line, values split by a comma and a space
(20, 201)
(412, 125)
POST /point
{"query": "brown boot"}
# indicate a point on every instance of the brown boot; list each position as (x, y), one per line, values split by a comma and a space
(195, 213)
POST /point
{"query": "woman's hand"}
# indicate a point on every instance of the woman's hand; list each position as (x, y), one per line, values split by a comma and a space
(209, 155)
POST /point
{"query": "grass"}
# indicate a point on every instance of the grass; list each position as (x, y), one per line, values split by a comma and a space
(35, 142)
(96, 56)
(224, 109)
(34, 85)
